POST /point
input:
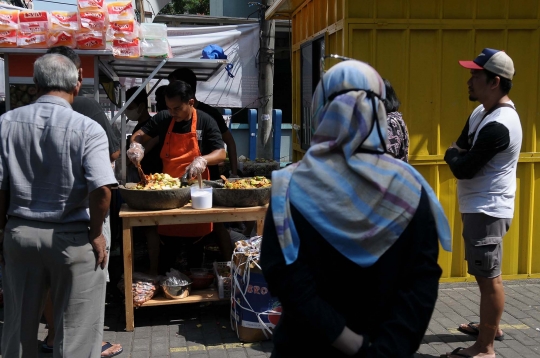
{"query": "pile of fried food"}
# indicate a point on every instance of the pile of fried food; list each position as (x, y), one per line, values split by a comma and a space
(158, 181)
(249, 183)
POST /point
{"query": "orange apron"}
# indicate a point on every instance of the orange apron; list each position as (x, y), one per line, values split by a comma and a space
(177, 153)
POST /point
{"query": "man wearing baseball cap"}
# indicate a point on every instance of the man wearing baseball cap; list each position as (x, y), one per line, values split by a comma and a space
(484, 160)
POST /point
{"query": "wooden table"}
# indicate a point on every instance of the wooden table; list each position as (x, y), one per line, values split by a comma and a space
(184, 215)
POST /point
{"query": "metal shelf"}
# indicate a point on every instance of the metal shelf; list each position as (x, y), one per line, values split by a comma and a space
(143, 67)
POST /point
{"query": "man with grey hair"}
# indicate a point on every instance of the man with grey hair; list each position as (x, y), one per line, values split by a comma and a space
(55, 178)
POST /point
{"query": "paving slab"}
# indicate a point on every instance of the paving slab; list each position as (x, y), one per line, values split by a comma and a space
(203, 330)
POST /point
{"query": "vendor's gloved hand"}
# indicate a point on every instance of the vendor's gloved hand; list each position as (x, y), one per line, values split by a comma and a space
(135, 153)
(197, 166)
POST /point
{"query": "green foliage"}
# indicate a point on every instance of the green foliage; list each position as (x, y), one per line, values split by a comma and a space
(179, 7)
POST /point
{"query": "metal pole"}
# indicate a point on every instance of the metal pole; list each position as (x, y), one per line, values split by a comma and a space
(7, 85)
(140, 7)
(96, 79)
(266, 83)
(123, 138)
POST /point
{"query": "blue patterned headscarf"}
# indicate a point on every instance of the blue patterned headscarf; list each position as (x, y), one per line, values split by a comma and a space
(356, 196)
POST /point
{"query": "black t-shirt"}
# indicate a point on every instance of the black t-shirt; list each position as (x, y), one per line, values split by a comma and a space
(493, 138)
(151, 162)
(214, 113)
(208, 134)
(91, 108)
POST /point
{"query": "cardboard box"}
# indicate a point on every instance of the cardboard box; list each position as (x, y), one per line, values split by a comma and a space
(254, 312)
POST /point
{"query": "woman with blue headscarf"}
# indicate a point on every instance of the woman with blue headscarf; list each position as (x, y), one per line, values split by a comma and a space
(350, 239)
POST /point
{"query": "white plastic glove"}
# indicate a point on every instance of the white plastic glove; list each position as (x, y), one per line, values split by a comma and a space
(135, 153)
(197, 166)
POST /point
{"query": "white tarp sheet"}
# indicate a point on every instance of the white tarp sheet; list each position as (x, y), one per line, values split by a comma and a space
(240, 43)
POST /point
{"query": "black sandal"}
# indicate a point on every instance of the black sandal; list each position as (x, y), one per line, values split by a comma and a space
(45, 348)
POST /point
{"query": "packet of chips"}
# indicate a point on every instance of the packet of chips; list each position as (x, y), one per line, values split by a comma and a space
(93, 20)
(32, 40)
(120, 10)
(8, 38)
(9, 19)
(125, 28)
(126, 48)
(62, 38)
(34, 22)
(91, 40)
(64, 20)
(90, 4)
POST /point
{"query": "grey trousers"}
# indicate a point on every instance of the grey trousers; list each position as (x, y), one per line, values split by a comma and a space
(41, 256)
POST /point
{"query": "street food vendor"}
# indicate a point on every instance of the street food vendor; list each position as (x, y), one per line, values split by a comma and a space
(190, 140)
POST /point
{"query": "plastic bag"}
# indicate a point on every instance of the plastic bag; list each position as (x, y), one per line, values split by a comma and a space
(64, 20)
(9, 19)
(128, 29)
(92, 40)
(120, 10)
(34, 22)
(155, 48)
(126, 48)
(94, 20)
(62, 38)
(8, 38)
(143, 288)
(90, 4)
(32, 40)
(175, 278)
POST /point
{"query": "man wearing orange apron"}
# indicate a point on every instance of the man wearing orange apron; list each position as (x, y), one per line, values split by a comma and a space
(190, 141)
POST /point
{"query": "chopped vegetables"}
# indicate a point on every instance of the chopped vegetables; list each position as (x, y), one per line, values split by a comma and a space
(159, 181)
(249, 183)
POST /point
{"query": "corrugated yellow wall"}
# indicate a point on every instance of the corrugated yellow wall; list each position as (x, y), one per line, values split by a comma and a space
(416, 45)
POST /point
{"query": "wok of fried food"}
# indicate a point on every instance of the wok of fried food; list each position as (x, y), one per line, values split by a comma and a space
(158, 181)
(248, 183)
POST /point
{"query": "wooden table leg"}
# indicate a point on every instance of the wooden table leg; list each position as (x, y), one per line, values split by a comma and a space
(260, 226)
(128, 273)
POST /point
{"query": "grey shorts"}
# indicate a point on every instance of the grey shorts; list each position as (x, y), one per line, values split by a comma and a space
(483, 243)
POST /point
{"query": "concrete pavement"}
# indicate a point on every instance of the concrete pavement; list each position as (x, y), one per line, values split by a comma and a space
(203, 330)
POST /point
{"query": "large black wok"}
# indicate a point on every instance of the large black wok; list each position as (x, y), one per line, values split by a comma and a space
(154, 199)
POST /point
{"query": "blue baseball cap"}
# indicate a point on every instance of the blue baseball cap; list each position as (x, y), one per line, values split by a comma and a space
(492, 60)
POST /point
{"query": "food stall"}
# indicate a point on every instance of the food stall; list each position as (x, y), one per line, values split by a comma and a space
(18, 67)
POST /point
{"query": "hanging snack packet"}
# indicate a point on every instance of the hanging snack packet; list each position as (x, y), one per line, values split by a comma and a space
(90, 4)
(32, 40)
(8, 38)
(123, 29)
(61, 38)
(92, 40)
(34, 22)
(94, 20)
(9, 19)
(120, 10)
(126, 48)
(64, 20)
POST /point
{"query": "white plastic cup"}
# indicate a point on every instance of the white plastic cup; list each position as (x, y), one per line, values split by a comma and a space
(201, 198)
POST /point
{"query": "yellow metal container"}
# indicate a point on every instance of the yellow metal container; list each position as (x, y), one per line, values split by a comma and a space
(416, 45)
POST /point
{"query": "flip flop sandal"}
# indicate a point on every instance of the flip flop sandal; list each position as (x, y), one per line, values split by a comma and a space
(455, 352)
(45, 348)
(474, 331)
(108, 345)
